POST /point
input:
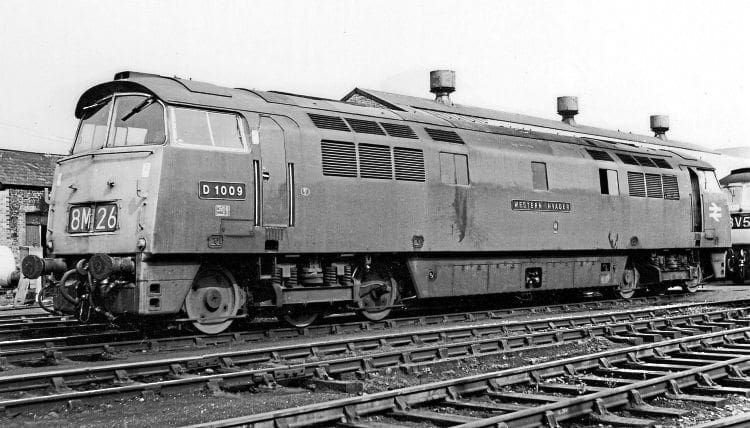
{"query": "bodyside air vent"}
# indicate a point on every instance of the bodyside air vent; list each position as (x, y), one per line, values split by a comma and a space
(644, 161)
(600, 155)
(443, 135)
(661, 163)
(339, 159)
(671, 190)
(409, 164)
(653, 186)
(365, 126)
(375, 161)
(328, 122)
(627, 159)
(636, 184)
(399, 131)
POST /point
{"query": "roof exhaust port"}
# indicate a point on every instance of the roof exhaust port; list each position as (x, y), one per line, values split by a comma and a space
(442, 83)
(567, 107)
(660, 125)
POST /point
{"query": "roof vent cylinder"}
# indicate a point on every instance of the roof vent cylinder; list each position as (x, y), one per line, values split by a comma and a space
(660, 125)
(442, 83)
(567, 107)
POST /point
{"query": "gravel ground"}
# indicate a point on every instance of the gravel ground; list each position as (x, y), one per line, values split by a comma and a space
(187, 408)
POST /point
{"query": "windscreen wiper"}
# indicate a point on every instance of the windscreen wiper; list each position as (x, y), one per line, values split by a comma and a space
(137, 109)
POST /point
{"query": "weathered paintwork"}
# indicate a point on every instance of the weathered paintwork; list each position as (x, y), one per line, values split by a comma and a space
(468, 231)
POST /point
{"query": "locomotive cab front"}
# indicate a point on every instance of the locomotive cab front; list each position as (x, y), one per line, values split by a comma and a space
(124, 207)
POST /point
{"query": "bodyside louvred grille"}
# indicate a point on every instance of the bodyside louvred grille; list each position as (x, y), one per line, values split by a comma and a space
(328, 122)
(409, 164)
(375, 161)
(636, 184)
(653, 186)
(365, 126)
(399, 131)
(339, 159)
(443, 135)
(600, 155)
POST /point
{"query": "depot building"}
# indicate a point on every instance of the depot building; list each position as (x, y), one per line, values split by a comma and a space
(25, 177)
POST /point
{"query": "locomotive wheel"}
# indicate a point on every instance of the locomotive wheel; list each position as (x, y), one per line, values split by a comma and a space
(691, 285)
(213, 300)
(375, 295)
(629, 284)
(299, 316)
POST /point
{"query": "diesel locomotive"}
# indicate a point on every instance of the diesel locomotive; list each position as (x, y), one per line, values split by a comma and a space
(737, 187)
(185, 201)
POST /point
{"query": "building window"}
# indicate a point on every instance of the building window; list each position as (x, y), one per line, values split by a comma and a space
(454, 169)
(539, 176)
(608, 182)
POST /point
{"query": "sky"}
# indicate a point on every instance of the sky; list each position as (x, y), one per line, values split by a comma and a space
(625, 60)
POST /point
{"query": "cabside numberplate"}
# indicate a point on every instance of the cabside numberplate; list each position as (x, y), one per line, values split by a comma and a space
(221, 190)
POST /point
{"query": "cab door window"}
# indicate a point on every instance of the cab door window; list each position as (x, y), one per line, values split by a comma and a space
(207, 128)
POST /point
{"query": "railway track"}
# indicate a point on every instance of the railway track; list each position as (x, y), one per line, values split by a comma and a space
(18, 326)
(610, 388)
(407, 351)
(109, 344)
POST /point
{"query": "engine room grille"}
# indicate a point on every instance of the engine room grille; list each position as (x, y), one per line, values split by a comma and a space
(636, 184)
(398, 130)
(443, 135)
(661, 163)
(365, 126)
(653, 186)
(644, 161)
(630, 160)
(409, 164)
(339, 159)
(375, 161)
(671, 190)
(328, 122)
(600, 155)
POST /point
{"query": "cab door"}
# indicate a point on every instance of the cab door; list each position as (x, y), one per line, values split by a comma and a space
(273, 174)
(711, 213)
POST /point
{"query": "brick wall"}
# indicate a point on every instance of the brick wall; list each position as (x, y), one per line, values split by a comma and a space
(14, 204)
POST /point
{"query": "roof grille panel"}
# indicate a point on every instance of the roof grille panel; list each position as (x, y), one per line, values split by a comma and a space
(339, 159)
(636, 184)
(328, 122)
(653, 186)
(644, 161)
(409, 164)
(600, 155)
(375, 161)
(443, 135)
(671, 189)
(399, 131)
(365, 126)
(662, 163)
(627, 159)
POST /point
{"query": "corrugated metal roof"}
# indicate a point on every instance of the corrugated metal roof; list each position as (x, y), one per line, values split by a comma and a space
(26, 169)
(409, 103)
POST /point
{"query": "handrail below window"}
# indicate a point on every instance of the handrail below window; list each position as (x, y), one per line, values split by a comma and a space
(94, 154)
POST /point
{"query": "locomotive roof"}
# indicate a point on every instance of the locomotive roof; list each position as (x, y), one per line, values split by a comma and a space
(741, 175)
(468, 113)
(386, 106)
